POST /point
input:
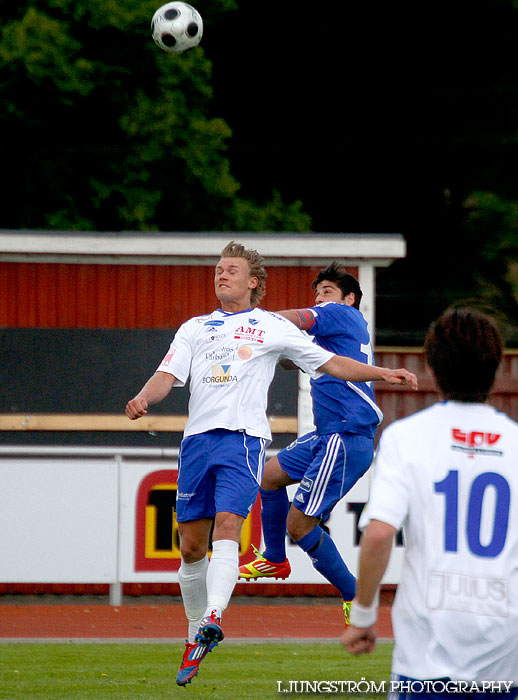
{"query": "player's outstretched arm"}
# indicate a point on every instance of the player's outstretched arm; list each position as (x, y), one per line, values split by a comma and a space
(353, 371)
(153, 391)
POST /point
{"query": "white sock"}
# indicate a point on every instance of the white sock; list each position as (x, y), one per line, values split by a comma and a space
(193, 586)
(221, 575)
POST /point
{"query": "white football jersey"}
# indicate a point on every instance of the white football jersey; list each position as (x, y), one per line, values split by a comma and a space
(449, 476)
(230, 360)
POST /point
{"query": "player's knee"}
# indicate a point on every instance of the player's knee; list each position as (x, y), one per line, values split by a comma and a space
(274, 477)
(192, 550)
(268, 484)
(228, 526)
(296, 532)
(299, 524)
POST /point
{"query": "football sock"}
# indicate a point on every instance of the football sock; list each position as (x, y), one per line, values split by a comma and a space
(274, 512)
(193, 586)
(221, 575)
(327, 560)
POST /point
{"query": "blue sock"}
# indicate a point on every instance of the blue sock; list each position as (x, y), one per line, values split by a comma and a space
(274, 512)
(327, 560)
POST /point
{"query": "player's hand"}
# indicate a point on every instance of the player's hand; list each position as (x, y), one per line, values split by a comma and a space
(359, 640)
(401, 376)
(136, 408)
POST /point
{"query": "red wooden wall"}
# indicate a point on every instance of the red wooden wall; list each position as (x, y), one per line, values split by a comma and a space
(398, 402)
(59, 295)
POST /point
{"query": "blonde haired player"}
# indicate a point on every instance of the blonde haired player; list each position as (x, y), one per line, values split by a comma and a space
(222, 451)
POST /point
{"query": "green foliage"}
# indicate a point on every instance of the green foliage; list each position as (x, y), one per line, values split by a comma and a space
(43, 49)
(148, 671)
(273, 216)
(493, 223)
(491, 229)
(104, 131)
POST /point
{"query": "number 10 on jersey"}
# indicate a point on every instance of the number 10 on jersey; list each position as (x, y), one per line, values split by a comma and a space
(449, 487)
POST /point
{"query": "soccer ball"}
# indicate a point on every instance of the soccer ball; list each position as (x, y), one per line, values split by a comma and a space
(176, 27)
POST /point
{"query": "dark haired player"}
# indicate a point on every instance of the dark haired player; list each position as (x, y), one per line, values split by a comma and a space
(449, 476)
(328, 461)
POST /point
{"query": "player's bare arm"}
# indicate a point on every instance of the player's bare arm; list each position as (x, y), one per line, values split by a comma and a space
(376, 546)
(302, 318)
(374, 557)
(153, 391)
(353, 371)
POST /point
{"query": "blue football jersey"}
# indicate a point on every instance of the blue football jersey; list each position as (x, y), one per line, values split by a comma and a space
(338, 405)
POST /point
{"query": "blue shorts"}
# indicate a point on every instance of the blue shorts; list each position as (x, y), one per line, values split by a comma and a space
(218, 471)
(327, 467)
(405, 688)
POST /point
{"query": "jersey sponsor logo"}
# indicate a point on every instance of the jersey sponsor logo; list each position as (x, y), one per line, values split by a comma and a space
(167, 359)
(251, 334)
(211, 338)
(475, 594)
(221, 354)
(306, 484)
(221, 374)
(475, 442)
(213, 323)
(244, 352)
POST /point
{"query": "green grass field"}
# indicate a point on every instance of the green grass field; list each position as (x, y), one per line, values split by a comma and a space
(84, 671)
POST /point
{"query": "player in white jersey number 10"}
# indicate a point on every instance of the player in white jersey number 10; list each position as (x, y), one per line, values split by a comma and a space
(449, 476)
(229, 358)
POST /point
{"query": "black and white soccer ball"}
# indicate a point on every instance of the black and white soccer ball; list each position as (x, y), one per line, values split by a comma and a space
(176, 27)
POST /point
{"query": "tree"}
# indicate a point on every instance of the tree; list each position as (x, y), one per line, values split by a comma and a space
(103, 131)
(491, 227)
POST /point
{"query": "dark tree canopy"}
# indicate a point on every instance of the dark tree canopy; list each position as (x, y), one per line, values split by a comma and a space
(102, 130)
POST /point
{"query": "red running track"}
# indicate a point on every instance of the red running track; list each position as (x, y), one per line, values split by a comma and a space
(167, 621)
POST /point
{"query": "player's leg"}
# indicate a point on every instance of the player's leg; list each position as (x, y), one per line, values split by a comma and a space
(238, 465)
(323, 552)
(338, 462)
(194, 513)
(224, 563)
(192, 575)
(194, 538)
(274, 510)
(286, 468)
